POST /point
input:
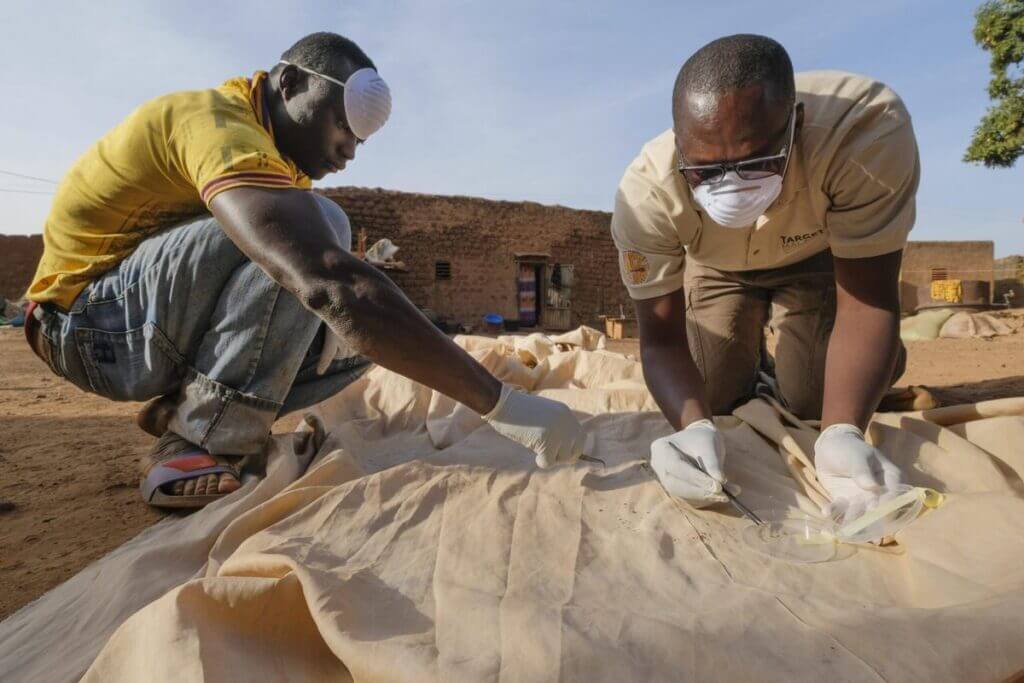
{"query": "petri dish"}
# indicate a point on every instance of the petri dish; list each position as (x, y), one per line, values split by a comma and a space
(893, 512)
(792, 535)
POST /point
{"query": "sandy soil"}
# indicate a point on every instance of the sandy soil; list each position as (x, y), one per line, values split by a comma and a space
(68, 460)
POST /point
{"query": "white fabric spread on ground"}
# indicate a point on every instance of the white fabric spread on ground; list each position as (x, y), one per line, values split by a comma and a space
(422, 546)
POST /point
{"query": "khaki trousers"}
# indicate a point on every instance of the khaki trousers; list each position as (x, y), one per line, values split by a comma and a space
(726, 314)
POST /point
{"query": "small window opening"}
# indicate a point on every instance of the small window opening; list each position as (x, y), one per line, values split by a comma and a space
(442, 270)
(940, 274)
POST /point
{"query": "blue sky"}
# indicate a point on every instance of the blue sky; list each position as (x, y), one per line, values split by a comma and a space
(542, 101)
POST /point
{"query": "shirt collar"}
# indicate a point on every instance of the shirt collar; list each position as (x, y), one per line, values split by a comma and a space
(261, 108)
(258, 101)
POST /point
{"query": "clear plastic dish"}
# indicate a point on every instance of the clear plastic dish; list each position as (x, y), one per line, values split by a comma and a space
(792, 535)
(893, 512)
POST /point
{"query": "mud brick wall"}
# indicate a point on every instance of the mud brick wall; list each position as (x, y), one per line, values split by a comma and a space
(19, 255)
(480, 239)
(1009, 279)
(961, 260)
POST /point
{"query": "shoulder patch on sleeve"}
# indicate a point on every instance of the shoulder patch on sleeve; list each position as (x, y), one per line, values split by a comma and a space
(636, 267)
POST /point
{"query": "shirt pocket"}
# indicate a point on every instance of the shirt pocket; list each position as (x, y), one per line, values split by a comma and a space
(134, 365)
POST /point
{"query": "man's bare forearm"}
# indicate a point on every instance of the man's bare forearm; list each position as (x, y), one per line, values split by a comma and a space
(286, 235)
(864, 346)
(669, 370)
(675, 383)
(858, 370)
(372, 314)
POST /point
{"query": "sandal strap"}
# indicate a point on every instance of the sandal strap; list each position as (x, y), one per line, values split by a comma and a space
(161, 475)
(189, 462)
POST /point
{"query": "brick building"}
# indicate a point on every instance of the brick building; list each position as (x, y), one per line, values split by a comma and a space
(465, 256)
(924, 262)
(19, 255)
(1009, 281)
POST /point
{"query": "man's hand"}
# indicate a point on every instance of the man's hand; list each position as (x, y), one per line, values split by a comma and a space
(854, 472)
(702, 442)
(546, 427)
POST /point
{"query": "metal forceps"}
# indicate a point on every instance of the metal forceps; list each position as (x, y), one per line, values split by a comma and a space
(699, 464)
(590, 458)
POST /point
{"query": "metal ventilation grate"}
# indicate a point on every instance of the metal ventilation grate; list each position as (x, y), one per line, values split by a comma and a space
(442, 270)
(939, 274)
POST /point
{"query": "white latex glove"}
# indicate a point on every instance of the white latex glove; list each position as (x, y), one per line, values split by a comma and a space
(701, 441)
(546, 427)
(854, 472)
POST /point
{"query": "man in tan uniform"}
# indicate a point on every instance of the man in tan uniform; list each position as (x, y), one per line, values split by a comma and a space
(788, 199)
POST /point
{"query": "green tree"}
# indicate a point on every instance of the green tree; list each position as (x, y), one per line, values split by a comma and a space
(999, 29)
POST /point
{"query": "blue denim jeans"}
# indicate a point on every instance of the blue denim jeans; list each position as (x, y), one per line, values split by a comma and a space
(187, 314)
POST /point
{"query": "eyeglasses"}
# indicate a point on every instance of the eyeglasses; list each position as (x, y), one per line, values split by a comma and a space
(748, 169)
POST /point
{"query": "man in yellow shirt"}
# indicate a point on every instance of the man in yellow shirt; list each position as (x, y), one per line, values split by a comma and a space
(140, 293)
(788, 199)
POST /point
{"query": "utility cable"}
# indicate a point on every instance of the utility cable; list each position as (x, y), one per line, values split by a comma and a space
(29, 177)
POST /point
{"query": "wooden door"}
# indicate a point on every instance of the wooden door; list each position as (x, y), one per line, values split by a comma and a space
(527, 286)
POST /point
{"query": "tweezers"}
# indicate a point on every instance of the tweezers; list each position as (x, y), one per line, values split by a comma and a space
(590, 458)
(743, 509)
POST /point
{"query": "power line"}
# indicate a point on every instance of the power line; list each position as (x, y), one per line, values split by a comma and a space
(4, 189)
(29, 177)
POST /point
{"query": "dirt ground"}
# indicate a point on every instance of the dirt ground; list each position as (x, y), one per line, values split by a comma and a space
(68, 460)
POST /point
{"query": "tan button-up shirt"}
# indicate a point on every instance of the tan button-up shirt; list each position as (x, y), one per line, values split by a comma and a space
(850, 186)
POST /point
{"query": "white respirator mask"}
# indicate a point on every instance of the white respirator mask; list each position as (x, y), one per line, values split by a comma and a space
(734, 202)
(736, 194)
(367, 99)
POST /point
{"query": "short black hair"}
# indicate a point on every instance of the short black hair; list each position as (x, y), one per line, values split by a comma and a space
(329, 54)
(734, 62)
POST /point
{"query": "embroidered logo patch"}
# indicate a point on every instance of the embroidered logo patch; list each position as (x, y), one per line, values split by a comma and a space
(636, 267)
(791, 242)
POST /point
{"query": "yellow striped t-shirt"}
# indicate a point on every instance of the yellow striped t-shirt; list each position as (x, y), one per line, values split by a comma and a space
(157, 168)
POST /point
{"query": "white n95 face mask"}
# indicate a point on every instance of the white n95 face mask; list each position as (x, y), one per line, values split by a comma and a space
(734, 202)
(367, 99)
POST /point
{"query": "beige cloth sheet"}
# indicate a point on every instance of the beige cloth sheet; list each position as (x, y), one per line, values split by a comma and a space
(421, 546)
(964, 325)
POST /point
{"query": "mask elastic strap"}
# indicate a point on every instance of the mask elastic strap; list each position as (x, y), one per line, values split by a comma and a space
(315, 73)
(790, 150)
